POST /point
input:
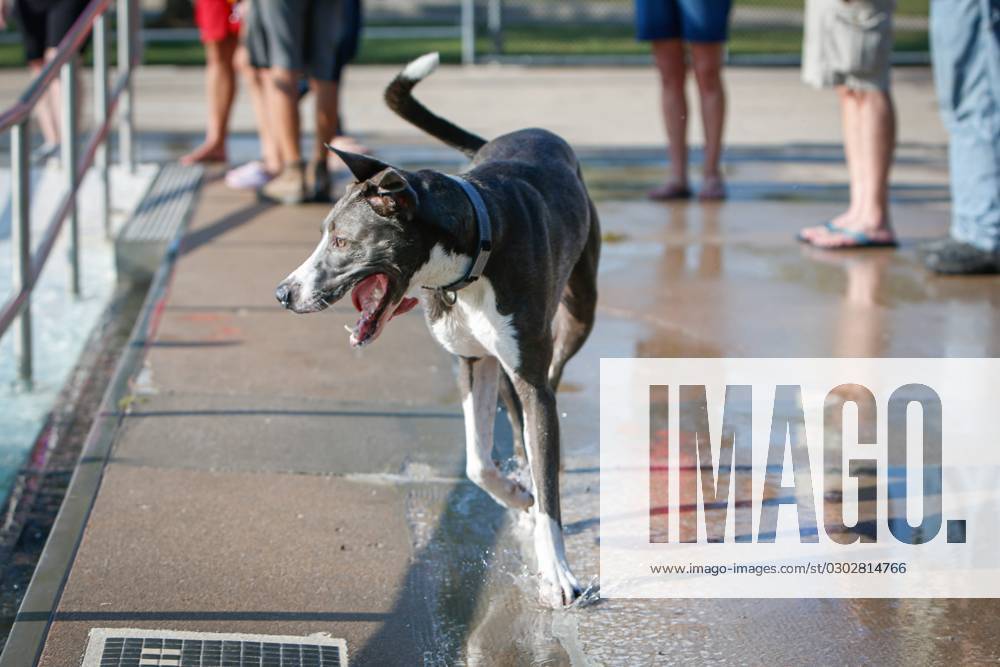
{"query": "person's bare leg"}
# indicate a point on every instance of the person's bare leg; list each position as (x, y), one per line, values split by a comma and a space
(668, 54)
(327, 96)
(850, 121)
(876, 146)
(289, 186)
(282, 98)
(707, 64)
(254, 81)
(220, 90)
(327, 119)
(47, 121)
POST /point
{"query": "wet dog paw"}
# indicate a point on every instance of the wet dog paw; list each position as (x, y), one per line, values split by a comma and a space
(520, 497)
(558, 588)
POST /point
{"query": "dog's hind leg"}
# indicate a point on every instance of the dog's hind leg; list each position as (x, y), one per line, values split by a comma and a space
(577, 307)
(512, 405)
(478, 380)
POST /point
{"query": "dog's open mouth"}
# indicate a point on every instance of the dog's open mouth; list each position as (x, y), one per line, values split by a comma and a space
(372, 297)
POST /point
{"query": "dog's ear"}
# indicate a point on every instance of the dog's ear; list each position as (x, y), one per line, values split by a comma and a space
(391, 195)
(362, 167)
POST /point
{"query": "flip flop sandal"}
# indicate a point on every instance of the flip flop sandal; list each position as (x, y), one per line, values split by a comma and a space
(828, 225)
(670, 193)
(860, 240)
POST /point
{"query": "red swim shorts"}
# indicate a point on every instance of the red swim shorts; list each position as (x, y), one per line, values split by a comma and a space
(215, 19)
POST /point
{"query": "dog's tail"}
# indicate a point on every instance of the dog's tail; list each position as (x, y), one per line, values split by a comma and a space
(398, 95)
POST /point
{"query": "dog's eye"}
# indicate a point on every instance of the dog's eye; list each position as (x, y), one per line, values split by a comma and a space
(339, 242)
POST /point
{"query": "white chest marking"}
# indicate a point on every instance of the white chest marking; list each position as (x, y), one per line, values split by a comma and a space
(472, 327)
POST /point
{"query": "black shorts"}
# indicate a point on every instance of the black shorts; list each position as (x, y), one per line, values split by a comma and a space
(45, 22)
(316, 37)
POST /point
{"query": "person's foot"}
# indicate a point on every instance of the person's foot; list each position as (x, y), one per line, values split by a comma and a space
(958, 258)
(712, 189)
(925, 248)
(846, 220)
(44, 153)
(318, 181)
(288, 187)
(671, 191)
(207, 152)
(249, 176)
(832, 237)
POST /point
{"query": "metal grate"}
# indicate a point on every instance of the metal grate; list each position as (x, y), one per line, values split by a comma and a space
(163, 209)
(146, 238)
(116, 647)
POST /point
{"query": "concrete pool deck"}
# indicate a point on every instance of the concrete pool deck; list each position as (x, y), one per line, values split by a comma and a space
(269, 479)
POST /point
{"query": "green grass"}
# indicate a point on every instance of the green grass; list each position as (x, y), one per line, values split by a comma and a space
(903, 7)
(560, 40)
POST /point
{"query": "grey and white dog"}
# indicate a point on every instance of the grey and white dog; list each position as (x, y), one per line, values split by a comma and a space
(395, 234)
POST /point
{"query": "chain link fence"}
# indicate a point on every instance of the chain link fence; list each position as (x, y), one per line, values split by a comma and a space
(581, 31)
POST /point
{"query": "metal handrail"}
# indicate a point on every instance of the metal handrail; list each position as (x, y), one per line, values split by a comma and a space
(28, 266)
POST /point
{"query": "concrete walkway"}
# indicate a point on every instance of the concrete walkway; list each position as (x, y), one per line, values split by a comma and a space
(268, 479)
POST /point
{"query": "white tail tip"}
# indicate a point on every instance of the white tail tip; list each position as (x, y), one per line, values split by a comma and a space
(422, 66)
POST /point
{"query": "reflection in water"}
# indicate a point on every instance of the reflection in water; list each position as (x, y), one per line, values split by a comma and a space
(861, 329)
(684, 236)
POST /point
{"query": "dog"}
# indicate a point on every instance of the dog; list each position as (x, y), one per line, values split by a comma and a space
(504, 260)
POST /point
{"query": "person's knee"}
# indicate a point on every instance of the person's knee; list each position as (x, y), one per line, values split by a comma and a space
(875, 101)
(673, 75)
(707, 68)
(670, 64)
(285, 80)
(709, 79)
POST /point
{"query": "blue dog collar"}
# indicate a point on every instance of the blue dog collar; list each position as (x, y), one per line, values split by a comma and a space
(475, 269)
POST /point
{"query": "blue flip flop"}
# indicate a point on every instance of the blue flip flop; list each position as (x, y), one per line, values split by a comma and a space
(861, 240)
(828, 225)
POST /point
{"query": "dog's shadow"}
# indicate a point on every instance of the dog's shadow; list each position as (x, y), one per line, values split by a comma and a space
(470, 592)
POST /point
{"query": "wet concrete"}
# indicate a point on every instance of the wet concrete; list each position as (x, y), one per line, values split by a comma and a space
(269, 479)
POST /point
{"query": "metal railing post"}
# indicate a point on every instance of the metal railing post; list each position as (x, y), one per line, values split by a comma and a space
(20, 232)
(100, 115)
(468, 32)
(126, 147)
(69, 140)
(494, 19)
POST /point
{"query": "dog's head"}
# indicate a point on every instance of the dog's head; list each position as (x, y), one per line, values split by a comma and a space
(369, 248)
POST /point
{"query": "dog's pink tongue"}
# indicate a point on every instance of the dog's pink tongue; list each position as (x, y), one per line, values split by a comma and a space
(368, 294)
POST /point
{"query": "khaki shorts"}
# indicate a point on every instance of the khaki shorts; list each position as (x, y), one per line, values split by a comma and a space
(848, 43)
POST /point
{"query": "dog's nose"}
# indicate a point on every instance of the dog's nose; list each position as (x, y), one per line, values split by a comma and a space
(283, 294)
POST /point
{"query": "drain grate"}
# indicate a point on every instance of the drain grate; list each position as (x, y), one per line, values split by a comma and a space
(118, 647)
(145, 238)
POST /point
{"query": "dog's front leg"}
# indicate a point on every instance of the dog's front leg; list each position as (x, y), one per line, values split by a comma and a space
(479, 380)
(541, 440)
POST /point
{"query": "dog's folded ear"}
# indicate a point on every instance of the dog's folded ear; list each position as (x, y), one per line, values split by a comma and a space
(391, 195)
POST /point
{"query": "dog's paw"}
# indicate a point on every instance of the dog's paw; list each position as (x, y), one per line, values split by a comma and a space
(520, 497)
(558, 587)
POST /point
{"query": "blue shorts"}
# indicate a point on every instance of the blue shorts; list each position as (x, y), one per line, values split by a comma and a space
(690, 20)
